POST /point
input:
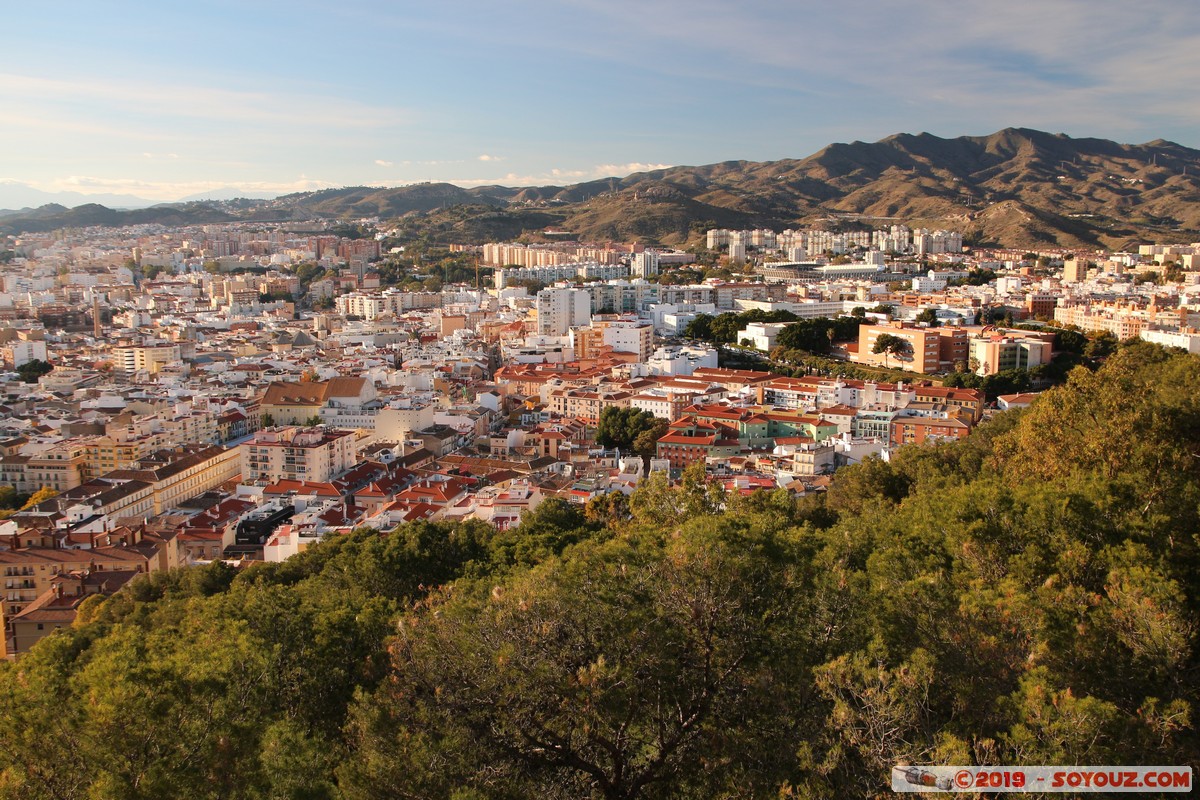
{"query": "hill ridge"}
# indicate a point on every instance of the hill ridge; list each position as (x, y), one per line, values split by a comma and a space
(1078, 192)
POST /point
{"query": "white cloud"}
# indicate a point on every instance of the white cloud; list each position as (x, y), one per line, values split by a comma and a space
(383, 163)
(559, 176)
(486, 157)
(621, 170)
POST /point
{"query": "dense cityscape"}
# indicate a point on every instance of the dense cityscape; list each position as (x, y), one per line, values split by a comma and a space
(239, 392)
(599, 401)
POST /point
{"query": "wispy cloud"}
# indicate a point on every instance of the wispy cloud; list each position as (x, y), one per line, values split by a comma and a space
(194, 102)
(620, 170)
(486, 157)
(382, 163)
(167, 191)
(559, 176)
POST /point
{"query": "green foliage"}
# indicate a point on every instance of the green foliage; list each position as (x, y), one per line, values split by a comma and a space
(975, 277)
(817, 335)
(30, 371)
(890, 344)
(1009, 381)
(10, 498)
(40, 496)
(630, 429)
(625, 670)
(928, 317)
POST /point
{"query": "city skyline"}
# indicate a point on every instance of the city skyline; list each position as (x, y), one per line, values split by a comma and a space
(164, 103)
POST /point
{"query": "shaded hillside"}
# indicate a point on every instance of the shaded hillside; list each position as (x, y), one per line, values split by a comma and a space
(1017, 187)
(372, 201)
(53, 217)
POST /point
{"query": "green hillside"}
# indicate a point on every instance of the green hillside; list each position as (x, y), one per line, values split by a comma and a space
(1026, 596)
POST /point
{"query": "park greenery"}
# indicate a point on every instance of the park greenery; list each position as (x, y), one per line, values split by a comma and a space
(630, 430)
(1027, 595)
(814, 335)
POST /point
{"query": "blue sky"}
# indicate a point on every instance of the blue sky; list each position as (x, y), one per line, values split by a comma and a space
(164, 100)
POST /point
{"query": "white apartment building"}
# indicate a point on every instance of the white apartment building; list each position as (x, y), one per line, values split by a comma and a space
(1188, 341)
(559, 310)
(645, 265)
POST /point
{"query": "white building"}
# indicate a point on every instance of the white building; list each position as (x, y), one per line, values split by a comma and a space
(1188, 341)
(559, 310)
(645, 265)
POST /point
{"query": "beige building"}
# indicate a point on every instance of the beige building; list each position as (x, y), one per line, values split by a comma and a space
(1074, 270)
(300, 454)
(57, 606)
(1121, 321)
(993, 354)
(148, 358)
(617, 336)
(923, 353)
(178, 475)
(61, 468)
(293, 403)
(29, 570)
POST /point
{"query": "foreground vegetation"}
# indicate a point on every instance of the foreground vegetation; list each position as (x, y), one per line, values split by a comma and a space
(1027, 595)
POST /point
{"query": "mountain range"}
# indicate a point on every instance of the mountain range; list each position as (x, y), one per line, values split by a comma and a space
(1017, 188)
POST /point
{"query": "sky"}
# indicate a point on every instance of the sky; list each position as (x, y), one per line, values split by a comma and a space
(166, 100)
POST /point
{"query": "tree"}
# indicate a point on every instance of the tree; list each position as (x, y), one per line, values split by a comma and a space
(626, 671)
(887, 343)
(928, 317)
(40, 496)
(607, 509)
(314, 421)
(267, 419)
(645, 443)
(621, 427)
(11, 499)
(30, 371)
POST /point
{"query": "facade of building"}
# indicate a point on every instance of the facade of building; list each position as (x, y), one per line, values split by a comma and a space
(993, 354)
(149, 358)
(559, 310)
(302, 454)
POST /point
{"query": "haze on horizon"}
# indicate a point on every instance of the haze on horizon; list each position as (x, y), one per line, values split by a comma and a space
(164, 101)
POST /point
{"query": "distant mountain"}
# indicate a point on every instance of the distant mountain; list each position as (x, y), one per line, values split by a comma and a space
(1017, 187)
(16, 195)
(52, 217)
(227, 193)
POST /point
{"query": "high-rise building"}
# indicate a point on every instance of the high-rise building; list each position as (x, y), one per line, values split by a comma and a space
(645, 264)
(559, 310)
(1074, 270)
